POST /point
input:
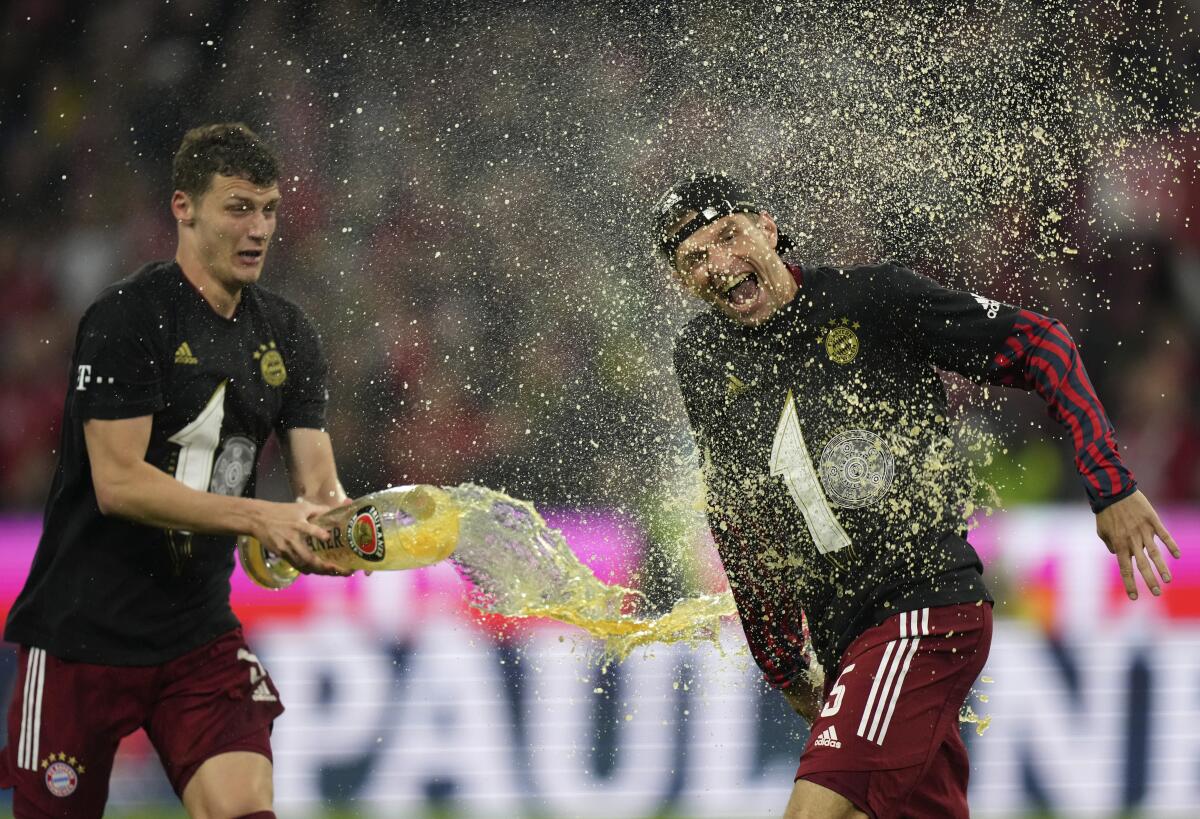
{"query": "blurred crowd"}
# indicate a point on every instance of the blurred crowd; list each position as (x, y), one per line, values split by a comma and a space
(464, 197)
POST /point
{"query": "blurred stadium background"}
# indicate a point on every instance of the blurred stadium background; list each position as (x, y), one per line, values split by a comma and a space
(466, 187)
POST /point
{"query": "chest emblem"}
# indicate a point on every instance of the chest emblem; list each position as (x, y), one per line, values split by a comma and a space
(734, 386)
(856, 468)
(183, 355)
(270, 363)
(840, 340)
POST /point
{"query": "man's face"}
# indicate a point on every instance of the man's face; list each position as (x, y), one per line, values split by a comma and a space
(233, 223)
(731, 264)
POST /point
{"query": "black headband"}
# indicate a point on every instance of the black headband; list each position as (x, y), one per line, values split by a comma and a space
(710, 197)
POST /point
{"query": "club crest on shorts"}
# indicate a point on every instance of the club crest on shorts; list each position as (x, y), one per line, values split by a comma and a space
(62, 774)
(840, 340)
(365, 534)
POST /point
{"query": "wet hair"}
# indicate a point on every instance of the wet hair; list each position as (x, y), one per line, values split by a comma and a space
(227, 149)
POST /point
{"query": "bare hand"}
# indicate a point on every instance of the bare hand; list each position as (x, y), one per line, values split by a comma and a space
(284, 529)
(1128, 529)
(804, 697)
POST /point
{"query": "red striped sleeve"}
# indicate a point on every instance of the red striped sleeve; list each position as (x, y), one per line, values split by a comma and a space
(1040, 355)
(773, 622)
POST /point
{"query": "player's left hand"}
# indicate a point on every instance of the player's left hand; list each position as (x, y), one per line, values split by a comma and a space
(1128, 529)
(804, 696)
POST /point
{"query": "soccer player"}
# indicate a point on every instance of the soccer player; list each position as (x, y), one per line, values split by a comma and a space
(835, 494)
(179, 375)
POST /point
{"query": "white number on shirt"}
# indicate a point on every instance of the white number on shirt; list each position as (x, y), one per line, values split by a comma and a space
(791, 461)
(198, 443)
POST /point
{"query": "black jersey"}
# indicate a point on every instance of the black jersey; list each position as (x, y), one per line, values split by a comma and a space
(834, 484)
(108, 590)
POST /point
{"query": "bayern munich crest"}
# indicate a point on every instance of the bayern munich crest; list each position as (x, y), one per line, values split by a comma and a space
(62, 777)
(856, 468)
(365, 534)
(840, 340)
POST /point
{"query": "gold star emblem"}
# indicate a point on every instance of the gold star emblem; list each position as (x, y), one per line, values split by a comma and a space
(72, 761)
(840, 340)
(45, 763)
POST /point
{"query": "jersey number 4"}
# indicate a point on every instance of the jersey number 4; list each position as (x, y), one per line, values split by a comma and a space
(791, 461)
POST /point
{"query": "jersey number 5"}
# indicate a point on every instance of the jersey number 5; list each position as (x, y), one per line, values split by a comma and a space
(791, 461)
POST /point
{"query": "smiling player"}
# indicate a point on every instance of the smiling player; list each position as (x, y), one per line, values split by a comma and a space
(180, 373)
(835, 492)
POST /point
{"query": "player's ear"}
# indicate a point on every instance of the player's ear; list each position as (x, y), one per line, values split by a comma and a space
(183, 208)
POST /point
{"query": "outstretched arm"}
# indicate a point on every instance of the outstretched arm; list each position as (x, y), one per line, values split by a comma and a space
(989, 341)
(1040, 355)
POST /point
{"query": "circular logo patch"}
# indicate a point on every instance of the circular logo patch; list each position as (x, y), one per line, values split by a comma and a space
(841, 344)
(61, 779)
(856, 468)
(273, 371)
(365, 534)
(233, 467)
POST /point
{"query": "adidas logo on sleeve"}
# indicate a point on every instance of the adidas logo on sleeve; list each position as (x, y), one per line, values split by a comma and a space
(829, 737)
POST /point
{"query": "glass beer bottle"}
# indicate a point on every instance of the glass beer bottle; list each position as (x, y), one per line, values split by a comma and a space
(405, 527)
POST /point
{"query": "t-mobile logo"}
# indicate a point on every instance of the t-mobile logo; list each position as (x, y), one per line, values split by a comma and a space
(84, 376)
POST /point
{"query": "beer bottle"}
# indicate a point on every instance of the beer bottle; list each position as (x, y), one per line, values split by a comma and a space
(405, 527)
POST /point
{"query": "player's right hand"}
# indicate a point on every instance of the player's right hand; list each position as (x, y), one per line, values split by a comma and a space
(283, 529)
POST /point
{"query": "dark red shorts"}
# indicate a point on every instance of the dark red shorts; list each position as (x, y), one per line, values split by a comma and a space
(67, 718)
(887, 738)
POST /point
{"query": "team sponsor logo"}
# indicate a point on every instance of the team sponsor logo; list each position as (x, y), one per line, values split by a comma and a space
(233, 467)
(734, 386)
(270, 363)
(828, 738)
(856, 468)
(365, 534)
(990, 305)
(183, 355)
(62, 774)
(84, 376)
(840, 340)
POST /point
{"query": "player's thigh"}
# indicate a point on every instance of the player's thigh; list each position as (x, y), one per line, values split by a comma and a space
(65, 721)
(812, 801)
(228, 785)
(214, 700)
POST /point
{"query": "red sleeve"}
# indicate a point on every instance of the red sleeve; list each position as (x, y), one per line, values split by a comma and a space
(772, 621)
(998, 343)
(1040, 355)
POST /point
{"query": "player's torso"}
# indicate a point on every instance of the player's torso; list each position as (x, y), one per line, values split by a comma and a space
(828, 446)
(223, 386)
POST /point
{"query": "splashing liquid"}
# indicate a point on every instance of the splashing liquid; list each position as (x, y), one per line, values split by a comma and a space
(520, 567)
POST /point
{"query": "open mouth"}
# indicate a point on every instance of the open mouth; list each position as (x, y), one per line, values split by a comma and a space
(742, 291)
(250, 256)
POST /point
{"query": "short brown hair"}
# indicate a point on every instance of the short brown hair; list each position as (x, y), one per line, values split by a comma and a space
(226, 148)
